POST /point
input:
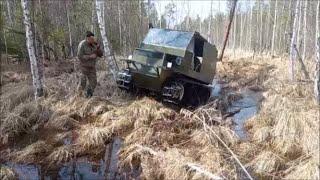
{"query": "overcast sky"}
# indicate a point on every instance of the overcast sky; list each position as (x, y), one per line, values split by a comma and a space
(197, 7)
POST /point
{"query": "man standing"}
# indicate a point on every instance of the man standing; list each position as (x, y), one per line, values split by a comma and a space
(88, 51)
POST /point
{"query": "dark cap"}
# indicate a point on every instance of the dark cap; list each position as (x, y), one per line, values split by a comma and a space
(89, 33)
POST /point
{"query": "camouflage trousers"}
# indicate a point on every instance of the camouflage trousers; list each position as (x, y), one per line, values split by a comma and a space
(88, 79)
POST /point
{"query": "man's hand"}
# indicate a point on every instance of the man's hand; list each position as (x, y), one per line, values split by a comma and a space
(93, 56)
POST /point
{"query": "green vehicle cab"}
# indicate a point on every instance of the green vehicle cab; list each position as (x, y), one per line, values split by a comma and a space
(178, 65)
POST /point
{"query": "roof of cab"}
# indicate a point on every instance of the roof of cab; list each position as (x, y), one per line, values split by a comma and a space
(169, 41)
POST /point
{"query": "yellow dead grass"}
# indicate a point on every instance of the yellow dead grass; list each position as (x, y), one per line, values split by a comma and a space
(305, 169)
(33, 153)
(61, 154)
(266, 163)
(7, 173)
(91, 136)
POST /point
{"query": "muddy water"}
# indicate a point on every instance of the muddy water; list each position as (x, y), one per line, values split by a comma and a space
(246, 107)
(79, 169)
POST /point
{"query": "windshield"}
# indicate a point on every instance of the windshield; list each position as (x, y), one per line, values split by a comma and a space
(165, 37)
(144, 69)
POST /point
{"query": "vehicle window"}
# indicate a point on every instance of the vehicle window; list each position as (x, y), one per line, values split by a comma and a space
(144, 68)
(164, 37)
(149, 54)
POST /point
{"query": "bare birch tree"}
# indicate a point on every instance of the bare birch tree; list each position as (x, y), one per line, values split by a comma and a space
(274, 28)
(299, 26)
(234, 34)
(119, 24)
(294, 40)
(37, 74)
(317, 23)
(251, 25)
(111, 61)
(305, 30)
(9, 12)
(317, 73)
(69, 30)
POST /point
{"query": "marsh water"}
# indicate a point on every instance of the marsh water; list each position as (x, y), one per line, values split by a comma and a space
(77, 169)
(246, 107)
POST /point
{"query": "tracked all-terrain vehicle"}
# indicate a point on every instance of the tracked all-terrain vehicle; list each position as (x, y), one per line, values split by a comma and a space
(178, 65)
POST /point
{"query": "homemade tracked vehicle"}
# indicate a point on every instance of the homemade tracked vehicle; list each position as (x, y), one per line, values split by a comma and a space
(177, 65)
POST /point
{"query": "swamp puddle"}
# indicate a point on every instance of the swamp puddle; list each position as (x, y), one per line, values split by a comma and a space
(246, 107)
(81, 168)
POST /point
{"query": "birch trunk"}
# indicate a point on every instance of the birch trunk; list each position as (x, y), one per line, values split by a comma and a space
(111, 61)
(251, 25)
(299, 26)
(294, 40)
(120, 29)
(269, 23)
(261, 26)
(274, 29)
(234, 34)
(93, 17)
(317, 23)
(37, 75)
(256, 39)
(9, 12)
(317, 73)
(281, 30)
(5, 44)
(305, 31)
(69, 30)
(241, 30)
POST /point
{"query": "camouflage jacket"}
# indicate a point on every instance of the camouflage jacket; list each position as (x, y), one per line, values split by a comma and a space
(84, 52)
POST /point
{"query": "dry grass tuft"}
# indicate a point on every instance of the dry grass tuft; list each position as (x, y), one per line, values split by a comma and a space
(95, 106)
(24, 118)
(13, 125)
(306, 169)
(91, 136)
(33, 153)
(64, 122)
(15, 95)
(262, 135)
(266, 163)
(61, 154)
(7, 173)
